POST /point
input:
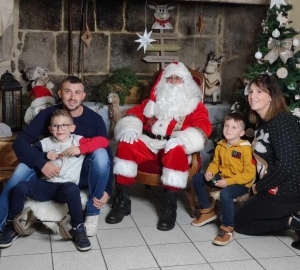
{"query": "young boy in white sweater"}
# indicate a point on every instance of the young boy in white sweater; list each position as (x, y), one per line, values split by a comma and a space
(67, 151)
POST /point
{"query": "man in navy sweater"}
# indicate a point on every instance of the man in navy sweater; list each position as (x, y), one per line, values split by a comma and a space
(96, 173)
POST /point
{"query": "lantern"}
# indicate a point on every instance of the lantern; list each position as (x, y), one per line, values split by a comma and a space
(11, 102)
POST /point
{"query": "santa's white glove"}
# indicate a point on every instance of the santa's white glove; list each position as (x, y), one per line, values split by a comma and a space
(172, 143)
(129, 137)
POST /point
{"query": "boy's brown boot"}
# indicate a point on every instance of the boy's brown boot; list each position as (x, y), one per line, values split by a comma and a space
(225, 236)
(206, 215)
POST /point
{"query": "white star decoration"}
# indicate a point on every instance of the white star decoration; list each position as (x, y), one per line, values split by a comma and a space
(278, 3)
(145, 40)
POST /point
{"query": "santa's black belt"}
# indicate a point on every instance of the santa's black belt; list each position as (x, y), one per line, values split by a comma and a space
(158, 137)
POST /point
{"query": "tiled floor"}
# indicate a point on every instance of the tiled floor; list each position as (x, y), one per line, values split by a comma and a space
(135, 243)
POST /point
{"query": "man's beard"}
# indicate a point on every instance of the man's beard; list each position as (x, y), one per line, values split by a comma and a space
(170, 99)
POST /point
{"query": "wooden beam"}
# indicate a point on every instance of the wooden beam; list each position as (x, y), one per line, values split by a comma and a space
(245, 2)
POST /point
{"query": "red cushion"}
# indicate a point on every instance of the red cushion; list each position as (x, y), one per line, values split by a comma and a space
(152, 166)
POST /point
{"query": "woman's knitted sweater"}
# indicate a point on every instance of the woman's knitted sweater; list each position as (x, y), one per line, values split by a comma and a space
(276, 148)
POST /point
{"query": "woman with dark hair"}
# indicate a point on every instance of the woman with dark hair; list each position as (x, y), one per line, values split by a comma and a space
(276, 148)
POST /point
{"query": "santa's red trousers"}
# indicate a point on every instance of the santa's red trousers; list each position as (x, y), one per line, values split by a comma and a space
(175, 159)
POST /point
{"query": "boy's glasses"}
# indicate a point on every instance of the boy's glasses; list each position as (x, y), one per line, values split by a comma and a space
(62, 127)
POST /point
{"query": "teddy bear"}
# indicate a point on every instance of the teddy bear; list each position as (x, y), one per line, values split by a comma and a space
(39, 76)
(43, 98)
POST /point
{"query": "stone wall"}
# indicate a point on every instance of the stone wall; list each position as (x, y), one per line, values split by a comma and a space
(41, 37)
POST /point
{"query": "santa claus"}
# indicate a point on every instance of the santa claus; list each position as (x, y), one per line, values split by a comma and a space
(169, 126)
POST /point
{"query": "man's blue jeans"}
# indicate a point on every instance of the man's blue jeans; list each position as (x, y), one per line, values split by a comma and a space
(94, 175)
(227, 196)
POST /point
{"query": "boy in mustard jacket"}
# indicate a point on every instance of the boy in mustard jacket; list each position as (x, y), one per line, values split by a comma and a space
(233, 170)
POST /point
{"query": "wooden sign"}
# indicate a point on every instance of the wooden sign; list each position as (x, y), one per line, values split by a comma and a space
(164, 36)
(163, 47)
(161, 59)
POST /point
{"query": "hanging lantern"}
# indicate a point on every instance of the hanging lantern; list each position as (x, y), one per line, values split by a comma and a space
(11, 102)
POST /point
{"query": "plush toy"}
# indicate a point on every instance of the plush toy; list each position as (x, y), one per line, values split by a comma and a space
(213, 81)
(43, 99)
(39, 76)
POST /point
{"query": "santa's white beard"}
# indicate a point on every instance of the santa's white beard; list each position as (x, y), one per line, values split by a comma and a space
(170, 100)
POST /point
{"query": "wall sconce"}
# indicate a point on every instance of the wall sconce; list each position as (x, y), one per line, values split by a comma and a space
(11, 102)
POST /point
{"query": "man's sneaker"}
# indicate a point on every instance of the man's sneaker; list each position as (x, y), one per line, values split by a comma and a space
(8, 235)
(91, 225)
(206, 215)
(80, 238)
(225, 236)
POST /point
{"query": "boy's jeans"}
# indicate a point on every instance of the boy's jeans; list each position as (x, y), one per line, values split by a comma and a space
(94, 174)
(227, 196)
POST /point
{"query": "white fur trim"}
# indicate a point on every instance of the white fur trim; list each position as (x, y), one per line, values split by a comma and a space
(149, 109)
(128, 123)
(125, 167)
(174, 178)
(192, 139)
(42, 100)
(153, 144)
(176, 69)
(160, 127)
(51, 210)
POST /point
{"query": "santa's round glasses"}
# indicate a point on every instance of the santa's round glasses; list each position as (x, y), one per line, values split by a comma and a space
(174, 78)
(62, 126)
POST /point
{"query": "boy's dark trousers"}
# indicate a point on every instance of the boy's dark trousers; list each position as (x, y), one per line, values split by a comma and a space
(42, 191)
(227, 196)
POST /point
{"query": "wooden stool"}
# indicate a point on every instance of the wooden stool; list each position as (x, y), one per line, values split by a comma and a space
(8, 159)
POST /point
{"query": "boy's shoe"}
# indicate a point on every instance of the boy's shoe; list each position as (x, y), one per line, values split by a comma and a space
(225, 236)
(91, 225)
(206, 215)
(8, 235)
(80, 238)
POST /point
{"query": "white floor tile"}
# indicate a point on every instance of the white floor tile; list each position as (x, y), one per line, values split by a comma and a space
(176, 254)
(27, 262)
(145, 204)
(266, 247)
(205, 233)
(128, 258)
(153, 236)
(126, 237)
(77, 260)
(38, 243)
(237, 265)
(289, 263)
(189, 267)
(127, 222)
(145, 219)
(232, 252)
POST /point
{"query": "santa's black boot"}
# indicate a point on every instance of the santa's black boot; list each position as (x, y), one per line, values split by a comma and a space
(121, 206)
(295, 224)
(167, 219)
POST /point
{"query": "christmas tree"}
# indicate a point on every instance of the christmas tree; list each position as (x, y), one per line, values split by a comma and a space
(276, 57)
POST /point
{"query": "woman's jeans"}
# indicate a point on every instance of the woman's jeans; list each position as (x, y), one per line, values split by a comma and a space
(227, 197)
(94, 175)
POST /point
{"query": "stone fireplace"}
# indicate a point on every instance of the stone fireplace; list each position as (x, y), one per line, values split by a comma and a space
(39, 35)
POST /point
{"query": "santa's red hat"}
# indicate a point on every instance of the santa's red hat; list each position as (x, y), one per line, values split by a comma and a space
(40, 91)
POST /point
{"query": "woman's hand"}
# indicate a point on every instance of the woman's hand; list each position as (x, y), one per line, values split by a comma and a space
(254, 189)
(52, 155)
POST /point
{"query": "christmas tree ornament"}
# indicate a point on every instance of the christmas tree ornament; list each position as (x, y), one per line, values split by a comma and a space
(264, 26)
(295, 42)
(292, 86)
(87, 36)
(283, 21)
(297, 65)
(296, 112)
(279, 48)
(258, 55)
(277, 3)
(145, 40)
(276, 33)
(297, 97)
(282, 72)
(201, 24)
(261, 61)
